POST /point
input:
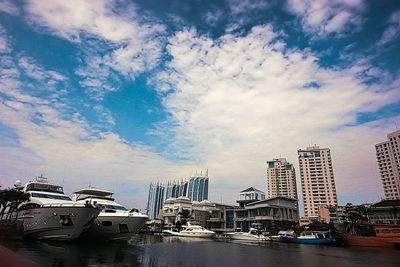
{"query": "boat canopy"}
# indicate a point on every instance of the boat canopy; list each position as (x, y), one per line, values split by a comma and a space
(44, 187)
(94, 192)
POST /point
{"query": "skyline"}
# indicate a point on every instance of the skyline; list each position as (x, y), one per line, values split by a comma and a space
(118, 94)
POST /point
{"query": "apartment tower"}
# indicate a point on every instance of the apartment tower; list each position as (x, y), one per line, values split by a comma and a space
(281, 179)
(317, 181)
(155, 200)
(388, 156)
(198, 187)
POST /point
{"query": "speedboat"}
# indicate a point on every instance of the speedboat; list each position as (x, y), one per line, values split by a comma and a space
(284, 236)
(315, 237)
(190, 230)
(50, 214)
(253, 235)
(115, 222)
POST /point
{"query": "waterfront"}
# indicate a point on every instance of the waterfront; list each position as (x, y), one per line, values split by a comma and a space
(172, 251)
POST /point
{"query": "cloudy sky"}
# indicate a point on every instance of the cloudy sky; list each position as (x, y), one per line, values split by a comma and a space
(118, 94)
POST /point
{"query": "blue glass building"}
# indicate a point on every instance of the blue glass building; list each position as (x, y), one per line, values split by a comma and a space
(155, 200)
(196, 189)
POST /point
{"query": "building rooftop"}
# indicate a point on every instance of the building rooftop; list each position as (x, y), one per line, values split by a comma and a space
(251, 189)
(387, 203)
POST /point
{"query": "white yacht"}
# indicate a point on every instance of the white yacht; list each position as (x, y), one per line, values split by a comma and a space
(253, 235)
(284, 236)
(115, 222)
(190, 230)
(50, 214)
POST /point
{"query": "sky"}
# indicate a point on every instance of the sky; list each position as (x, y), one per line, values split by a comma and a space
(118, 94)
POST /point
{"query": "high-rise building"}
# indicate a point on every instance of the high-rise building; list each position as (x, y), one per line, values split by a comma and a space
(176, 189)
(195, 188)
(388, 156)
(198, 187)
(281, 179)
(155, 200)
(317, 181)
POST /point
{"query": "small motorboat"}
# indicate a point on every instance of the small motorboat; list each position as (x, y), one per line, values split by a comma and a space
(284, 236)
(314, 237)
(190, 231)
(253, 235)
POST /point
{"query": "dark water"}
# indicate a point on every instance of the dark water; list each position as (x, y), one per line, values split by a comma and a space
(172, 251)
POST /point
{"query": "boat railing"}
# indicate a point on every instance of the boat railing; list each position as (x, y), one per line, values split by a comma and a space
(65, 205)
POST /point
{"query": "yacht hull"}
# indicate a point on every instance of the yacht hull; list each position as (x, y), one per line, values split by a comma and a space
(115, 228)
(248, 238)
(57, 222)
(189, 234)
(201, 235)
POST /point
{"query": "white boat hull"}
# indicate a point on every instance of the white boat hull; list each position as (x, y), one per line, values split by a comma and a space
(203, 234)
(58, 222)
(115, 228)
(248, 238)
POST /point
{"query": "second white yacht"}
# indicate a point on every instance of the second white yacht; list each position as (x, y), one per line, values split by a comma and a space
(115, 222)
(50, 214)
(253, 235)
(190, 230)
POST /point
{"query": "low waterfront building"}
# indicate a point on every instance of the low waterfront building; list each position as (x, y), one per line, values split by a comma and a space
(385, 212)
(221, 218)
(174, 209)
(210, 215)
(201, 212)
(249, 195)
(270, 214)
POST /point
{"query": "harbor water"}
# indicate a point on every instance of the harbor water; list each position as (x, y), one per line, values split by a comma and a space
(145, 250)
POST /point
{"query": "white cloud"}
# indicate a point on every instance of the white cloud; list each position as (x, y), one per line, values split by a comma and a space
(244, 6)
(240, 101)
(8, 7)
(130, 46)
(323, 17)
(393, 29)
(38, 136)
(68, 150)
(5, 46)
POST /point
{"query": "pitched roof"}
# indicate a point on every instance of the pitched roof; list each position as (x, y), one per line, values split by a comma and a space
(250, 189)
(387, 203)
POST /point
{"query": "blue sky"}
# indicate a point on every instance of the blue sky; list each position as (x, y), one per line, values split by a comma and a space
(119, 94)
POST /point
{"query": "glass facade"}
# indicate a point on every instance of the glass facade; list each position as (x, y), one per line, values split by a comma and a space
(155, 200)
(196, 189)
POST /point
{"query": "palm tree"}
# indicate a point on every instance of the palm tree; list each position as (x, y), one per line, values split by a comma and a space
(11, 199)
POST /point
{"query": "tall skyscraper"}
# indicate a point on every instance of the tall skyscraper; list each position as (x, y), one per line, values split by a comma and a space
(281, 179)
(195, 188)
(388, 156)
(317, 181)
(176, 189)
(198, 187)
(155, 200)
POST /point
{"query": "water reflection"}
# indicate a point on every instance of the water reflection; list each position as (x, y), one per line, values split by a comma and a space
(182, 251)
(79, 253)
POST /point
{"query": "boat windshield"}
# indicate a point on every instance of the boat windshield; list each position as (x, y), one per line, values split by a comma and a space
(41, 195)
(112, 207)
(45, 188)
